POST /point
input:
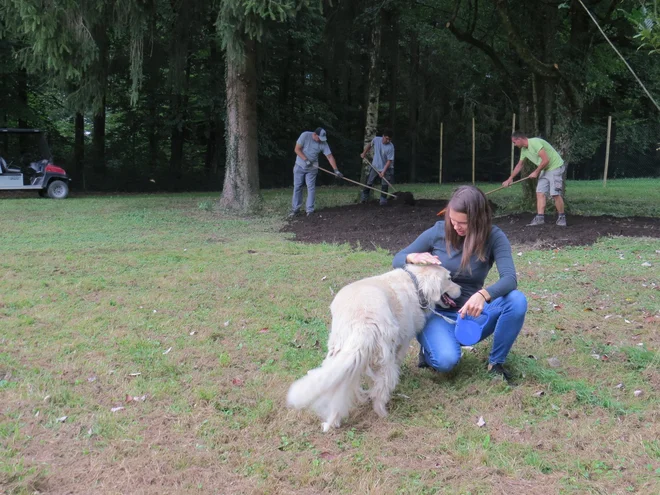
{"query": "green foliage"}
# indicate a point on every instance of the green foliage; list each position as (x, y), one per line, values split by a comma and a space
(239, 19)
(646, 21)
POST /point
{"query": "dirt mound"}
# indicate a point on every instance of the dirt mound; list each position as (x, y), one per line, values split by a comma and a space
(396, 225)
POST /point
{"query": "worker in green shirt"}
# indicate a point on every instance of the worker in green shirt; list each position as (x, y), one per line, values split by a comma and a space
(549, 170)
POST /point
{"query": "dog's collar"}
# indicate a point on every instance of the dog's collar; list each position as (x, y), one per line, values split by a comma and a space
(422, 300)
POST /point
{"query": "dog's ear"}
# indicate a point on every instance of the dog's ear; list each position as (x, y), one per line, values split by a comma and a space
(433, 281)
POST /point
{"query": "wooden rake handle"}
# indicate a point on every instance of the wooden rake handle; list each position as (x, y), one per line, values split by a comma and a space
(364, 160)
(442, 212)
(355, 182)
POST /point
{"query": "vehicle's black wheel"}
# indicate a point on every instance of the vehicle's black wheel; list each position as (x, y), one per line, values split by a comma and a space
(58, 189)
(43, 193)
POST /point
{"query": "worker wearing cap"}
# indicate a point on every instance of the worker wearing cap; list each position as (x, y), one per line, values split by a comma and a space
(308, 147)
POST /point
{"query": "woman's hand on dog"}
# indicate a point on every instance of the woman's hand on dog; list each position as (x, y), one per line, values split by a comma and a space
(422, 259)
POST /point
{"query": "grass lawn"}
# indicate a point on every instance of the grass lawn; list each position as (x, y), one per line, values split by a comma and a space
(147, 343)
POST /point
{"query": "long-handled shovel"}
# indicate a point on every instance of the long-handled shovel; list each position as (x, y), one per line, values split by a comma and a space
(358, 183)
(364, 160)
(442, 212)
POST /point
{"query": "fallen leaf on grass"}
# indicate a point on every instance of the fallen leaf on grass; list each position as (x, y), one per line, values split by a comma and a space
(646, 263)
(481, 422)
(237, 381)
(403, 395)
(118, 408)
(62, 419)
(649, 319)
(557, 306)
(638, 393)
(136, 398)
(620, 385)
(91, 379)
(539, 393)
(324, 277)
(595, 356)
(588, 309)
(167, 351)
(227, 323)
(327, 456)
(264, 330)
(134, 374)
(192, 333)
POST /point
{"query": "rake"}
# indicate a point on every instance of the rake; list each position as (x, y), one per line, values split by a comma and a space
(442, 212)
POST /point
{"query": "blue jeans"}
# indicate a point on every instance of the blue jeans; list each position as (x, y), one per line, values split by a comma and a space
(441, 349)
(301, 177)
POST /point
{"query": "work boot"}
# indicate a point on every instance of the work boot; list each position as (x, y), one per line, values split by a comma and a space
(383, 202)
(310, 213)
(293, 214)
(497, 370)
(538, 220)
(561, 220)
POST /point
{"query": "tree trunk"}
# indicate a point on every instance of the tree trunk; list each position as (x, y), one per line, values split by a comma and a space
(98, 133)
(79, 146)
(285, 74)
(22, 95)
(413, 102)
(178, 137)
(549, 99)
(394, 74)
(535, 106)
(240, 191)
(98, 138)
(373, 90)
(216, 128)
(526, 126)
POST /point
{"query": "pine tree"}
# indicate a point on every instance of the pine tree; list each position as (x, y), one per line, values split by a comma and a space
(241, 27)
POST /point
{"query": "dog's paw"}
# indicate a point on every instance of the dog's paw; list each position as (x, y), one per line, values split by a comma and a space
(326, 427)
(380, 409)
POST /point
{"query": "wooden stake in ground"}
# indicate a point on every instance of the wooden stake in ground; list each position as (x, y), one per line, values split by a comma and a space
(440, 173)
(513, 148)
(473, 151)
(607, 149)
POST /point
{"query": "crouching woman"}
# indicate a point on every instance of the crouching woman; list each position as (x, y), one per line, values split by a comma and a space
(467, 244)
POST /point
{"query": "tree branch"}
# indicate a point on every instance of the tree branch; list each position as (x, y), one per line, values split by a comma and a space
(542, 69)
(487, 49)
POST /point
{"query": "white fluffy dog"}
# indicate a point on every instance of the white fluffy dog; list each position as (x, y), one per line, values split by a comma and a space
(373, 322)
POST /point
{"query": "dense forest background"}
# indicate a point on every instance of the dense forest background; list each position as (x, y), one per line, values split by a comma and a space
(133, 93)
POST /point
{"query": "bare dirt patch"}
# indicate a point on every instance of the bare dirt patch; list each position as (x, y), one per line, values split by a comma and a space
(396, 225)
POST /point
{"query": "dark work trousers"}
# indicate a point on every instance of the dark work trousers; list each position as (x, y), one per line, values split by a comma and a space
(373, 175)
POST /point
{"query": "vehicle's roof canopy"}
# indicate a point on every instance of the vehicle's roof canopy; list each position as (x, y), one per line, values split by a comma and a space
(8, 130)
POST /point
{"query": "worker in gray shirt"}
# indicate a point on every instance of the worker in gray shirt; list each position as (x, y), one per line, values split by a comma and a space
(308, 147)
(382, 164)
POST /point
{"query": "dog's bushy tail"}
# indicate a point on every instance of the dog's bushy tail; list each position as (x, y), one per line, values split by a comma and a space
(336, 382)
